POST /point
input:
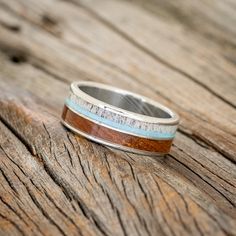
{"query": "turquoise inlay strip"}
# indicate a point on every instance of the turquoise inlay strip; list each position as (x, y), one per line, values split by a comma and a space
(125, 128)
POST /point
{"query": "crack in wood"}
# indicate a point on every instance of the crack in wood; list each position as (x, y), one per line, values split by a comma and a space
(205, 180)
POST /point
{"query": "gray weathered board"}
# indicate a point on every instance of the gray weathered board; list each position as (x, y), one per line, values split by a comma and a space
(180, 53)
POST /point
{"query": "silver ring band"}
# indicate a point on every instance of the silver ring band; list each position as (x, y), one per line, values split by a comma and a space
(112, 113)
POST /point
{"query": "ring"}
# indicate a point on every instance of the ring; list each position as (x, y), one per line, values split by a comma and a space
(120, 119)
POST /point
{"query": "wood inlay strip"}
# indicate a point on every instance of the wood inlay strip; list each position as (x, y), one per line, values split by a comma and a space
(113, 136)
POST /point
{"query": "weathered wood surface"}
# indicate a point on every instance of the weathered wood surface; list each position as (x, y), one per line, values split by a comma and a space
(56, 183)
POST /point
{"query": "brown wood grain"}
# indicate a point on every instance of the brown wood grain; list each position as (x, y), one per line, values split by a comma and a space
(53, 182)
(112, 136)
(69, 66)
(115, 189)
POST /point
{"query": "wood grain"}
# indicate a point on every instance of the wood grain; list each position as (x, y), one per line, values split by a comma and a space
(195, 17)
(95, 182)
(56, 183)
(199, 59)
(112, 136)
(68, 67)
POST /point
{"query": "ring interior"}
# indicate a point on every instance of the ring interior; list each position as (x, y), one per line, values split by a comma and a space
(125, 101)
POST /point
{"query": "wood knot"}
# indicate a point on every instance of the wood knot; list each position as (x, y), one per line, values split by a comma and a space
(50, 23)
(49, 20)
(14, 28)
(18, 57)
(11, 26)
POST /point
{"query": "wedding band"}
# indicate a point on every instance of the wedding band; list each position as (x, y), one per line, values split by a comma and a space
(120, 119)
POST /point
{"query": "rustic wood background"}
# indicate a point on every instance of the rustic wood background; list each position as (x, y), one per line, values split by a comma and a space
(180, 53)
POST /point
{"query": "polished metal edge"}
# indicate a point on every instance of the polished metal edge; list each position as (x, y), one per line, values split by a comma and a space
(113, 145)
(174, 120)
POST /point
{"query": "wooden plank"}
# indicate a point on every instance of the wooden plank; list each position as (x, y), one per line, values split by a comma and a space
(62, 67)
(31, 202)
(131, 61)
(61, 61)
(218, 138)
(34, 77)
(18, 73)
(27, 77)
(214, 20)
(79, 187)
(110, 188)
(198, 58)
(222, 141)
